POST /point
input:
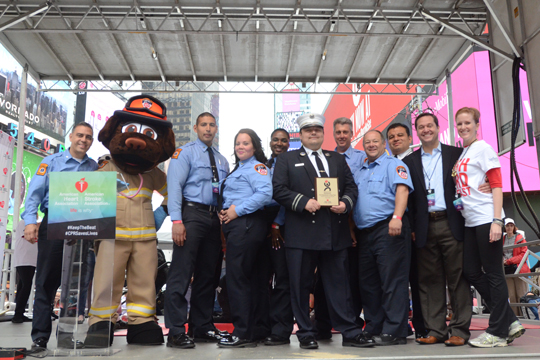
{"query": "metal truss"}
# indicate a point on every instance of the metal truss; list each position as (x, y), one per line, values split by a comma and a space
(201, 20)
(243, 88)
(190, 19)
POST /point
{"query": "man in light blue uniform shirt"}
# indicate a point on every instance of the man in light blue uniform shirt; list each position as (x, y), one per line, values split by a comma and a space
(343, 134)
(384, 242)
(49, 262)
(399, 140)
(193, 186)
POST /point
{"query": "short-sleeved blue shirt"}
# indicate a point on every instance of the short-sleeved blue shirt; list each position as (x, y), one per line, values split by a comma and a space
(249, 187)
(354, 157)
(38, 191)
(190, 177)
(377, 183)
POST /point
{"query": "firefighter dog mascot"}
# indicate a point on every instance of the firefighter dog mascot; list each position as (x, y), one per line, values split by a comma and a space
(138, 138)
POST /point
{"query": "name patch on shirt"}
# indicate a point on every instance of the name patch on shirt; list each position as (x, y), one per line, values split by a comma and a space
(176, 153)
(402, 172)
(42, 169)
(261, 169)
(299, 164)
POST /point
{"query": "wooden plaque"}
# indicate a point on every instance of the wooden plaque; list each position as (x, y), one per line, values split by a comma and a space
(326, 191)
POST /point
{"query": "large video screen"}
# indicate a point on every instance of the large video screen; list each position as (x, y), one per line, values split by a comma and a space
(45, 112)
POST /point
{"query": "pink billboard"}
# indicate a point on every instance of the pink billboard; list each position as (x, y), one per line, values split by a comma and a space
(471, 86)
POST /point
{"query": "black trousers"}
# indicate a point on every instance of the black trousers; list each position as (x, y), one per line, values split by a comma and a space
(322, 316)
(482, 266)
(383, 264)
(279, 313)
(417, 317)
(333, 269)
(198, 258)
(246, 278)
(25, 275)
(48, 279)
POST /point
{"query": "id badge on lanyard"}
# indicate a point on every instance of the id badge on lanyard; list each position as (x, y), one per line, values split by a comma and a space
(431, 197)
(215, 187)
(458, 203)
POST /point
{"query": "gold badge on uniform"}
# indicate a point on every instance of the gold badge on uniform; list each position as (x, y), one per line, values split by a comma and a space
(42, 169)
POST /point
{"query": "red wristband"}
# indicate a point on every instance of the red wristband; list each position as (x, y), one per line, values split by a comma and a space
(177, 222)
(396, 217)
(275, 226)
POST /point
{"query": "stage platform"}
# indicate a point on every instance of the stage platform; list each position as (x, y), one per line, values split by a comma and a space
(526, 347)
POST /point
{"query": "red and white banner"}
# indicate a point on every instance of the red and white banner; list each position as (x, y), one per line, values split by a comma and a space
(367, 112)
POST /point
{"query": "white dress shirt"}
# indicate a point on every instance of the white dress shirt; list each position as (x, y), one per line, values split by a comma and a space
(314, 162)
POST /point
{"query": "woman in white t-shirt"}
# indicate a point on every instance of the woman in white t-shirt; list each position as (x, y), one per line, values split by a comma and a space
(483, 213)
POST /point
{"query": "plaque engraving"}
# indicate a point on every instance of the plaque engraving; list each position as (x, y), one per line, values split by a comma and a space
(326, 191)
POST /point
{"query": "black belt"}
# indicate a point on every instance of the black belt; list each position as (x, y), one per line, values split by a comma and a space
(437, 215)
(196, 205)
(377, 225)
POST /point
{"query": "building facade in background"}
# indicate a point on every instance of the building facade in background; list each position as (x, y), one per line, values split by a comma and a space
(289, 105)
(183, 108)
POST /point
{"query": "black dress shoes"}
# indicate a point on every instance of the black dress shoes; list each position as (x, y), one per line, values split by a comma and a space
(358, 341)
(221, 332)
(40, 344)
(19, 319)
(276, 340)
(181, 341)
(232, 341)
(387, 339)
(309, 343)
(209, 336)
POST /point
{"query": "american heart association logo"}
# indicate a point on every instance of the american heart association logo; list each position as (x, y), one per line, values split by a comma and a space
(2, 204)
(81, 185)
(5, 171)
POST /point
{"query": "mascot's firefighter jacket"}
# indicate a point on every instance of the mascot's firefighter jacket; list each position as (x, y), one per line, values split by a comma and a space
(139, 137)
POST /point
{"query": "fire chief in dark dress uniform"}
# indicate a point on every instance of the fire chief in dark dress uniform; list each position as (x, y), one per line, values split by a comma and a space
(317, 236)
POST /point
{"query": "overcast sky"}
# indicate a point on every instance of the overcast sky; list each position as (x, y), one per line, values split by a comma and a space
(254, 111)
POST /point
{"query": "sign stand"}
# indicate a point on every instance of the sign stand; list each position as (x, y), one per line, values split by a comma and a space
(82, 208)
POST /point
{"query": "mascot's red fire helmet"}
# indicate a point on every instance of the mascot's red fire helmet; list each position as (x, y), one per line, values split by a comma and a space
(139, 137)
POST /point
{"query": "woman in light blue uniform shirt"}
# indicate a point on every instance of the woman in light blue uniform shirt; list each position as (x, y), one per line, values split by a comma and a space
(245, 192)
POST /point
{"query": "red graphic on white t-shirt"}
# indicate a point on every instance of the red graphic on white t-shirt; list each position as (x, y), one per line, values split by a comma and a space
(462, 179)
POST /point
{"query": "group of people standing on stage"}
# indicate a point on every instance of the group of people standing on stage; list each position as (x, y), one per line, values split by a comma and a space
(431, 218)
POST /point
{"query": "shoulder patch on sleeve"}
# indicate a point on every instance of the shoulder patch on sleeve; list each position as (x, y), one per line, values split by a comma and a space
(261, 169)
(402, 172)
(176, 153)
(102, 164)
(42, 170)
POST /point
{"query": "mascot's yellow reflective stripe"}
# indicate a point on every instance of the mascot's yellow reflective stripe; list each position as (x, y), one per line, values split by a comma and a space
(104, 312)
(125, 232)
(145, 192)
(163, 190)
(141, 309)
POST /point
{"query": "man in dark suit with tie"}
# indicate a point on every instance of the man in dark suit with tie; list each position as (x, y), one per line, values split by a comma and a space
(438, 228)
(317, 236)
